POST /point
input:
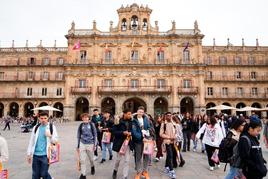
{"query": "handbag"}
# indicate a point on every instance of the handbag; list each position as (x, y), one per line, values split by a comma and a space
(53, 153)
(178, 153)
(148, 147)
(124, 146)
(4, 174)
(215, 157)
(106, 137)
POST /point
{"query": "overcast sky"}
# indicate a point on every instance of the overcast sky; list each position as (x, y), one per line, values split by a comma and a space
(50, 20)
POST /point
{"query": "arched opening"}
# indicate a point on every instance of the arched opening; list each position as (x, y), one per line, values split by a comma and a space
(59, 106)
(187, 105)
(144, 25)
(256, 105)
(160, 106)
(2, 110)
(229, 112)
(210, 112)
(82, 106)
(108, 104)
(14, 109)
(43, 104)
(134, 22)
(124, 24)
(239, 106)
(28, 109)
(133, 104)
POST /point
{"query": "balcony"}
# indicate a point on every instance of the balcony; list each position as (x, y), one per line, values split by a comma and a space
(131, 90)
(20, 95)
(188, 91)
(235, 79)
(79, 90)
(238, 96)
(27, 78)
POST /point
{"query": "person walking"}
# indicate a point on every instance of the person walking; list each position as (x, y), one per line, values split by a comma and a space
(8, 120)
(159, 140)
(212, 139)
(122, 135)
(43, 135)
(86, 144)
(3, 153)
(186, 129)
(97, 119)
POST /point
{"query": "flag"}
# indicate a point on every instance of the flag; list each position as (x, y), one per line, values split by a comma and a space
(77, 46)
(159, 50)
(186, 46)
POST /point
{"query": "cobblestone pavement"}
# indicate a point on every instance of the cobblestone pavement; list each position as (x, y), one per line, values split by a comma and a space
(196, 163)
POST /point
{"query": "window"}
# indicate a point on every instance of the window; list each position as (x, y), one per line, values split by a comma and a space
(225, 91)
(108, 56)
(237, 61)
(186, 83)
(31, 61)
(108, 83)
(224, 75)
(60, 61)
(59, 76)
(134, 55)
(238, 75)
(144, 26)
(210, 91)
(134, 22)
(45, 76)
(44, 91)
(251, 61)
(160, 55)
(186, 56)
(29, 91)
(253, 75)
(83, 55)
(30, 75)
(239, 91)
(254, 91)
(82, 83)
(134, 83)
(209, 75)
(223, 61)
(59, 91)
(209, 60)
(160, 83)
(46, 61)
(124, 24)
(2, 75)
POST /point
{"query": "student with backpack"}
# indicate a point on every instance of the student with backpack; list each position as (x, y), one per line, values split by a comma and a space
(87, 143)
(43, 134)
(212, 139)
(250, 152)
(227, 146)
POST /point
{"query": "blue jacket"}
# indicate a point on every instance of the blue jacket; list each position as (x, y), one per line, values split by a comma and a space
(136, 129)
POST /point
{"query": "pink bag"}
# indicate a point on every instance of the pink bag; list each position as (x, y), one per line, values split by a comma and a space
(106, 137)
(124, 146)
(148, 148)
(215, 156)
(53, 153)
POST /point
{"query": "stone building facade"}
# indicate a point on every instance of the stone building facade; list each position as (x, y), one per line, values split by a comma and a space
(132, 64)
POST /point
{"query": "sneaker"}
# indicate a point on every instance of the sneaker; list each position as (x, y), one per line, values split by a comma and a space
(166, 170)
(182, 163)
(211, 168)
(156, 159)
(92, 170)
(111, 157)
(82, 176)
(114, 174)
(95, 158)
(218, 166)
(172, 174)
(194, 150)
(138, 176)
(102, 160)
(145, 174)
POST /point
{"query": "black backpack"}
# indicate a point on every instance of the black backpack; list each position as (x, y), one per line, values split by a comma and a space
(224, 155)
(50, 128)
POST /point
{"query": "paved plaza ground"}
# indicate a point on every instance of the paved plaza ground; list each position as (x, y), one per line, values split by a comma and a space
(196, 163)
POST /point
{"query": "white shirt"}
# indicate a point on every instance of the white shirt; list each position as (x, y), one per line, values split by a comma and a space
(140, 121)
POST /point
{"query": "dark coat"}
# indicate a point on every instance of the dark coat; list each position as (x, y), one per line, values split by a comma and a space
(119, 137)
(97, 122)
(136, 129)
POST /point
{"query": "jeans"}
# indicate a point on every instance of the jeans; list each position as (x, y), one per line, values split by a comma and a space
(233, 172)
(40, 167)
(138, 153)
(104, 146)
(186, 140)
(210, 150)
(194, 141)
(169, 159)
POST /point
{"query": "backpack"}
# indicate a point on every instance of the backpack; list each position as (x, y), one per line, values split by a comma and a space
(236, 159)
(50, 128)
(224, 155)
